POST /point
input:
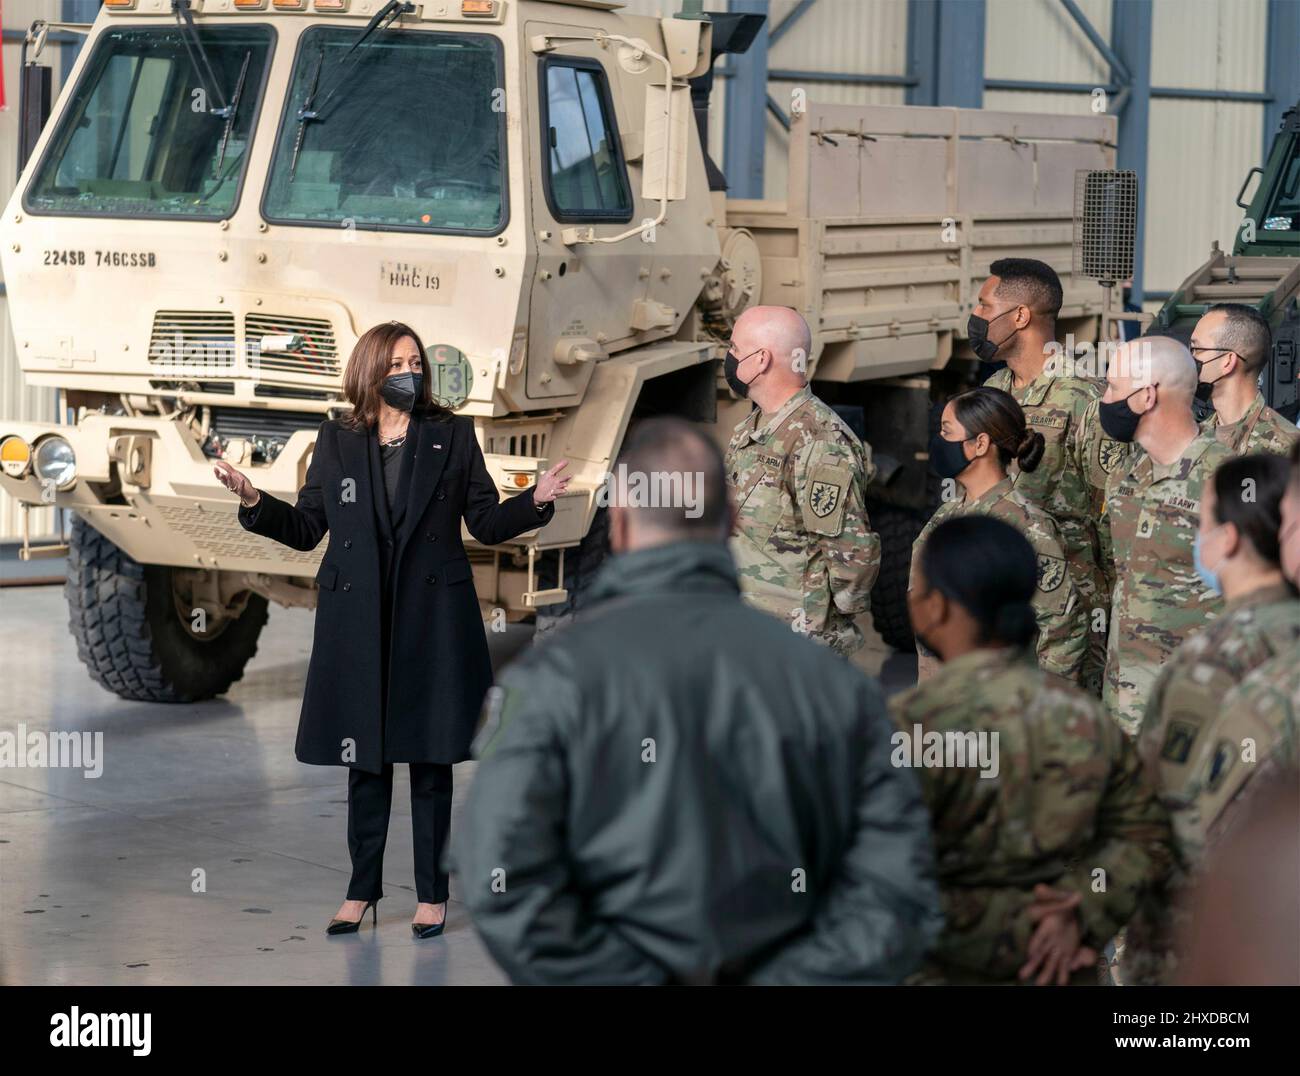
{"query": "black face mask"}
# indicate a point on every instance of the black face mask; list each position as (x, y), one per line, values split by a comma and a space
(1118, 419)
(947, 458)
(402, 391)
(730, 370)
(977, 329)
(1205, 389)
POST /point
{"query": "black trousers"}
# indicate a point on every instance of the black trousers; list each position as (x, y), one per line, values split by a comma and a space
(370, 799)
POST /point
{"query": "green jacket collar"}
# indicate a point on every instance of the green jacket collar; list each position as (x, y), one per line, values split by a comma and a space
(1034, 393)
(1250, 417)
(991, 495)
(1273, 595)
(971, 661)
(758, 433)
(1146, 469)
(674, 566)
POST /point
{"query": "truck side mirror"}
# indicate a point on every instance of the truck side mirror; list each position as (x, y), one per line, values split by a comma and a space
(34, 102)
(666, 129)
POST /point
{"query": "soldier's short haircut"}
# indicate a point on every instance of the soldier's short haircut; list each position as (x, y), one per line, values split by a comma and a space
(1159, 359)
(988, 568)
(1244, 330)
(670, 455)
(1031, 282)
(1248, 494)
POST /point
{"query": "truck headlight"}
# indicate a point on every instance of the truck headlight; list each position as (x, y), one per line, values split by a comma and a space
(55, 462)
(15, 456)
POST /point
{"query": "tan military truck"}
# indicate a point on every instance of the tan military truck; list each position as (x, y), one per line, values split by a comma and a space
(228, 193)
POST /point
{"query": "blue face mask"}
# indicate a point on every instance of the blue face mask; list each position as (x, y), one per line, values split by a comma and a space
(1208, 576)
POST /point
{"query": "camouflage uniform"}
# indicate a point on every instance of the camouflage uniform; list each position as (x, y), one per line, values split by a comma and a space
(803, 545)
(1061, 614)
(1152, 513)
(1054, 405)
(1069, 799)
(1096, 457)
(1260, 429)
(1256, 735)
(1183, 735)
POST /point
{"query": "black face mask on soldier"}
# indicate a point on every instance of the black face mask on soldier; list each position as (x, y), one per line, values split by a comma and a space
(730, 370)
(1205, 389)
(977, 329)
(1118, 419)
(402, 391)
(948, 458)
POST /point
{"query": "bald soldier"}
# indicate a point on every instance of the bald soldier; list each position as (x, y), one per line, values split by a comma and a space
(1015, 321)
(1151, 516)
(1231, 343)
(802, 544)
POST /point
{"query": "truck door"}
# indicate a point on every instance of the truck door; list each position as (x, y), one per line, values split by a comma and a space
(582, 295)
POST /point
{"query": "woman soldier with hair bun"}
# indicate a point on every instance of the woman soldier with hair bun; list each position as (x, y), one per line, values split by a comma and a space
(1034, 792)
(981, 432)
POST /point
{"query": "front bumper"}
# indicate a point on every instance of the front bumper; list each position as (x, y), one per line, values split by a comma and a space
(147, 486)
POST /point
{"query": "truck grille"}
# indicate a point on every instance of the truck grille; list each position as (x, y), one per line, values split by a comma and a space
(253, 422)
(195, 341)
(267, 431)
(317, 354)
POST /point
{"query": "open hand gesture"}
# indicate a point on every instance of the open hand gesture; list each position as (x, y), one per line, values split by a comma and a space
(551, 484)
(237, 483)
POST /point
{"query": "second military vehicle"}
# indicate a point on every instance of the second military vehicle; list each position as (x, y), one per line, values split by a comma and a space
(1263, 269)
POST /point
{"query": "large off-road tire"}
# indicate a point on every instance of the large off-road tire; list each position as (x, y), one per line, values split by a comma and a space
(130, 634)
(581, 564)
(898, 529)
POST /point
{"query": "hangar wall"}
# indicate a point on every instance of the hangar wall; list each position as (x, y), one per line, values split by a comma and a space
(1197, 153)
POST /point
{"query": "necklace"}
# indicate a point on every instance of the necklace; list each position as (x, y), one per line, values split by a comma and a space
(393, 443)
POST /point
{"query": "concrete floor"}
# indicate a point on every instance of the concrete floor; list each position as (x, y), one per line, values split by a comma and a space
(96, 874)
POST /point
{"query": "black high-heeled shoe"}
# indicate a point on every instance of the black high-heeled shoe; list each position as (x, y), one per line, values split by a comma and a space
(430, 930)
(350, 926)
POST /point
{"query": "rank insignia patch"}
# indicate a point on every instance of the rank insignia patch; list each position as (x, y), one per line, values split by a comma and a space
(1225, 754)
(1178, 741)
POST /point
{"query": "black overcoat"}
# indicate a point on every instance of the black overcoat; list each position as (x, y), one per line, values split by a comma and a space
(434, 653)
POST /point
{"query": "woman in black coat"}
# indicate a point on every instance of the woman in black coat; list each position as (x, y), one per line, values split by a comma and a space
(399, 663)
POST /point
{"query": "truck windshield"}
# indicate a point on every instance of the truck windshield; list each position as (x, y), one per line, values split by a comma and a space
(139, 137)
(1283, 213)
(409, 133)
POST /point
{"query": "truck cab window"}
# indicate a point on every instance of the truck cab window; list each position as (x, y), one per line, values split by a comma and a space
(585, 175)
(1283, 214)
(141, 138)
(408, 133)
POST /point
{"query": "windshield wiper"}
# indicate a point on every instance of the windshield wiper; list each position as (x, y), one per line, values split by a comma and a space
(194, 47)
(380, 21)
(231, 112)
